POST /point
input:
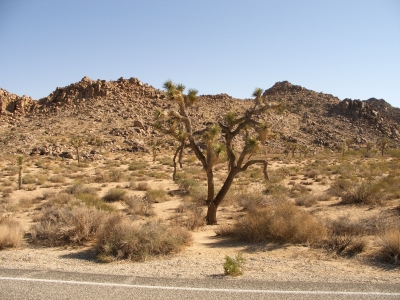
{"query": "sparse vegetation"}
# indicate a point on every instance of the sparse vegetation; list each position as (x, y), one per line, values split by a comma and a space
(120, 239)
(156, 195)
(390, 241)
(234, 266)
(280, 222)
(114, 195)
(67, 226)
(10, 233)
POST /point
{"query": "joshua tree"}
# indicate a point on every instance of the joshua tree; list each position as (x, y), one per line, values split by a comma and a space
(292, 147)
(77, 143)
(303, 149)
(341, 147)
(20, 161)
(369, 146)
(218, 137)
(383, 144)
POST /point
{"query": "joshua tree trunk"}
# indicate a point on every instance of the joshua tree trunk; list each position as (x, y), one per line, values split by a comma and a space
(20, 178)
(211, 213)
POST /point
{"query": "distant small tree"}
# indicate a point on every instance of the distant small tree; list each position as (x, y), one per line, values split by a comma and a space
(303, 149)
(369, 147)
(292, 148)
(77, 143)
(20, 162)
(341, 148)
(383, 144)
(218, 137)
(349, 142)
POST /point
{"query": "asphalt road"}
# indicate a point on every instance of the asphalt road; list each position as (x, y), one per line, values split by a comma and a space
(30, 284)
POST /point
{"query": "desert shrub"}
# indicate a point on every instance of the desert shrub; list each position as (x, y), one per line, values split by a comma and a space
(115, 175)
(156, 195)
(276, 189)
(41, 179)
(115, 194)
(139, 206)
(80, 188)
(339, 187)
(225, 230)
(158, 175)
(57, 178)
(312, 173)
(199, 195)
(61, 199)
(137, 165)
(113, 163)
(390, 245)
(364, 192)
(394, 152)
(306, 200)
(234, 266)
(187, 183)
(167, 161)
(298, 190)
(345, 245)
(7, 182)
(142, 186)
(10, 233)
(280, 222)
(67, 226)
(92, 200)
(250, 201)
(101, 177)
(191, 216)
(120, 239)
(345, 235)
(345, 226)
(29, 179)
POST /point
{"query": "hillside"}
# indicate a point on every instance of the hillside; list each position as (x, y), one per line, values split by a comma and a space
(118, 116)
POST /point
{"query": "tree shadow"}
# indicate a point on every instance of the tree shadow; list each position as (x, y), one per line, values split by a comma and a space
(85, 254)
(229, 242)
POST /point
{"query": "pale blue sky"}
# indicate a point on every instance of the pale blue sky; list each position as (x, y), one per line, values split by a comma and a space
(350, 49)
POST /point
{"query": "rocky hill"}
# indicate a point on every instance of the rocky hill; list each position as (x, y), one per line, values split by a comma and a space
(118, 116)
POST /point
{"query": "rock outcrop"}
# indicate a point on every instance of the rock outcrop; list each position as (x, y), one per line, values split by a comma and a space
(118, 115)
(14, 104)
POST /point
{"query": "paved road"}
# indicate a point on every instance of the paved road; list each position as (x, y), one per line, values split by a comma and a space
(30, 284)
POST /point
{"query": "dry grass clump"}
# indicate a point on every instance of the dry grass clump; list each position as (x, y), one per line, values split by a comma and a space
(276, 189)
(137, 165)
(156, 195)
(390, 245)
(280, 222)
(250, 201)
(190, 215)
(59, 200)
(306, 200)
(67, 226)
(29, 179)
(139, 206)
(166, 161)
(120, 239)
(364, 192)
(57, 178)
(115, 175)
(345, 236)
(10, 233)
(114, 195)
(142, 186)
(92, 200)
(80, 188)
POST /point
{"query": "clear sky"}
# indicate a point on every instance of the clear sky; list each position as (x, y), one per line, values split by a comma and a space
(348, 48)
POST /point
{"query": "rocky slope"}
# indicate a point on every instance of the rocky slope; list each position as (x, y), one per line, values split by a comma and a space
(118, 116)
